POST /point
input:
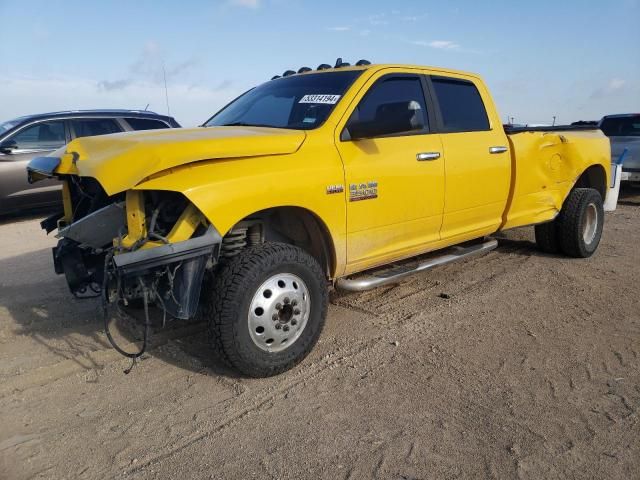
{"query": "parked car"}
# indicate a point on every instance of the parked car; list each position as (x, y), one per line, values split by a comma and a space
(27, 137)
(623, 131)
(316, 179)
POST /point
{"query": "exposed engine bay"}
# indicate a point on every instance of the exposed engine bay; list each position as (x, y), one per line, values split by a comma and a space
(161, 249)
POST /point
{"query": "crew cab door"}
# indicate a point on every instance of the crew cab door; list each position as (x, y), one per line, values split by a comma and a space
(478, 162)
(394, 170)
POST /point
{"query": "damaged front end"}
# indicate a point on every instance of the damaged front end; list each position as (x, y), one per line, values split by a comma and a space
(132, 247)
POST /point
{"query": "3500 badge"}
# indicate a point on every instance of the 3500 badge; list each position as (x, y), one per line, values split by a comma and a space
(363, 191)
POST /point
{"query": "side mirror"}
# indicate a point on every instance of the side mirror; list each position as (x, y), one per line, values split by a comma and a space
(390, 119)
(359, 131)
(8, 146)
(362, 130)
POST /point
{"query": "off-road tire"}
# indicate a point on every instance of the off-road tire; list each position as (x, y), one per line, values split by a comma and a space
(226, 307)
(579, 207)
(547, 237)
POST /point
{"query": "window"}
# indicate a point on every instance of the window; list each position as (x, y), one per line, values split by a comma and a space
(270, 110)
(7, 126)
(94, 126)
(301, 102)
(41, 136)
(145, 123)
(621, 126)
(394, 105)
(460, 104)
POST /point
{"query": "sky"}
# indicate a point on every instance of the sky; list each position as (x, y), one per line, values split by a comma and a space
(575, 59)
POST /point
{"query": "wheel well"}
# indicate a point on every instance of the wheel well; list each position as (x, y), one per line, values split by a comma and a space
(293, 225)
(594, 177)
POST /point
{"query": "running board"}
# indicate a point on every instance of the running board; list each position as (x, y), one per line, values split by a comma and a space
(394, 274)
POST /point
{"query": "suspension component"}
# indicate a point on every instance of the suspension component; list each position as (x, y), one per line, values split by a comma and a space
(233, 242)
(239, 238)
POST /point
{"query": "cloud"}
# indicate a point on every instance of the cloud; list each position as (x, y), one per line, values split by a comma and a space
(245, 3)
(114, 85)
(443, 45)
(613, 87)
(339, 29)
(225, 84)
(181, 67)
(150, 66)
(190, 104)
(378, 20)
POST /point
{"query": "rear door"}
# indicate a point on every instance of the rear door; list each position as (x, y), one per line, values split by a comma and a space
(477, 158)
(35, 140)
(136, 123)
(394, 177)
(89, 127)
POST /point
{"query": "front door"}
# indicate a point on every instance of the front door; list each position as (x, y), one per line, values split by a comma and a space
(36, 140)
(394, 172)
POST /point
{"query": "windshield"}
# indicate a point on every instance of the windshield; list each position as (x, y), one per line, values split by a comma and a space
(621, 126)
(7, 126)
(301, 102)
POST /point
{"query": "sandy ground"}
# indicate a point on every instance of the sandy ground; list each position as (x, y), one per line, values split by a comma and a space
(528, 370)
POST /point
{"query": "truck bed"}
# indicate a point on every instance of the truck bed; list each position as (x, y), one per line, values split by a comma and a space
(545, 163)
(513, 129)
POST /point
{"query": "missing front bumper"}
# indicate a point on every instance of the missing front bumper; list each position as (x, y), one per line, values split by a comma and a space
(173, 272)
(145, 259)
(176, 271)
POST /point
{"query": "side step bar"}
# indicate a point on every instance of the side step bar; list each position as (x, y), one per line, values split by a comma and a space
(393, 275)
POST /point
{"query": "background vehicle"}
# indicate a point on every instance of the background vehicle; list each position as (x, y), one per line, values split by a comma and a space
(624, 133)
(303, 182)
(27, 137)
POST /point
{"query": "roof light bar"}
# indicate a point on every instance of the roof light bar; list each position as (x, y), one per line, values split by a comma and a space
(323, 66)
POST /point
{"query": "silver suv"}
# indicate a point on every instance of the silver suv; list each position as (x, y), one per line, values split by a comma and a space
(624, 133)
(36, 135)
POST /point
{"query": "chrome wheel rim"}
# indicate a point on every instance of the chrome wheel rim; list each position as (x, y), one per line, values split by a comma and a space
(590, 224)
(278, 312)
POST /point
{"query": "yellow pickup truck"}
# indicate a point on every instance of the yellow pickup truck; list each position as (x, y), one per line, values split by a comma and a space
(345, 176)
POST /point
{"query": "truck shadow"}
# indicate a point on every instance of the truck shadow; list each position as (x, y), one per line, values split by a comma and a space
(27, 214)
(37, 304)
(520, 241)
(629, 195)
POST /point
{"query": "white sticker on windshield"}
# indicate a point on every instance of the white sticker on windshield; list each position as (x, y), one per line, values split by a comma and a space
(324, 99)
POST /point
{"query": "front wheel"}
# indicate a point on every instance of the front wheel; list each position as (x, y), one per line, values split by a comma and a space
(267, 309)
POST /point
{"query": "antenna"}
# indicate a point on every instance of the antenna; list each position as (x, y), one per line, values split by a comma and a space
(145, 108)
(166, 92)
(554, 121)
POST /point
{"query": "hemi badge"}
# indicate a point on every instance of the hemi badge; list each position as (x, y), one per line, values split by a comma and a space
(334, 189)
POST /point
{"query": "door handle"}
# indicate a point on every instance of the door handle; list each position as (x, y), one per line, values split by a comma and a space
(427, 156)
(498, 149)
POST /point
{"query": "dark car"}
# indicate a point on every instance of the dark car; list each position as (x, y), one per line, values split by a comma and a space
(32, 136)
(623, 131)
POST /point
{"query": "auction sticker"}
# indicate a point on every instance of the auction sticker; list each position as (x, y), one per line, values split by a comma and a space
(325, 99)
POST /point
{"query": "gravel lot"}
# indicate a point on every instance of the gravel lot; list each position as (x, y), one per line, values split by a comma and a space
(530, 369)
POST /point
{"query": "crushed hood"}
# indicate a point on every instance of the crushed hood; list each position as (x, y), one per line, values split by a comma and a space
(120, 161)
